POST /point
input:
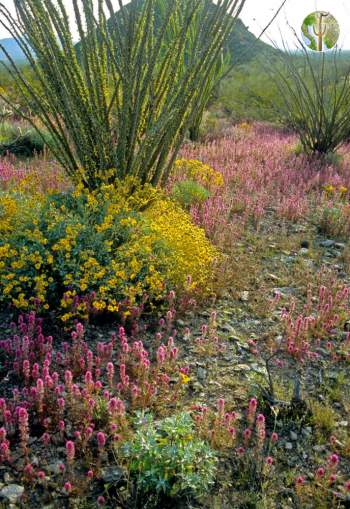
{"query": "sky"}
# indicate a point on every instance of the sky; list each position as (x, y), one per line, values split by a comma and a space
(257, 14)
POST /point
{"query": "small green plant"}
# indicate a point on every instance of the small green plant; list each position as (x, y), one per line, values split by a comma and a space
(168, 458)
(189, 192)
(323, 417)
(333, 215)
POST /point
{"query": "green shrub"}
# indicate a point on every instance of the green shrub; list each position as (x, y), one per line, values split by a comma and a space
(167, 457)
(189, 192)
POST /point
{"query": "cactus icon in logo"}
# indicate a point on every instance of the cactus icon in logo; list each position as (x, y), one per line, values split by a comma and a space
(320, 31)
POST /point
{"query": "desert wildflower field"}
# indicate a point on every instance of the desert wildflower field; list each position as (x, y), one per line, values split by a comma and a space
(174, 263)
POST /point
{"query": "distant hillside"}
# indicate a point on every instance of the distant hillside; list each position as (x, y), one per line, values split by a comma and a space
(13, 49)
(242, 45)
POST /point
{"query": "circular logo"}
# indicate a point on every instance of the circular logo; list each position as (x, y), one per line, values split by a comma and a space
(320, 31)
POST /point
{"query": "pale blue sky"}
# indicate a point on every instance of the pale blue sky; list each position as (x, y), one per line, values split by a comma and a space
(257, 13)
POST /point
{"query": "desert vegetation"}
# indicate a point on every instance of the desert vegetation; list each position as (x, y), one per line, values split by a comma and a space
(174, 263)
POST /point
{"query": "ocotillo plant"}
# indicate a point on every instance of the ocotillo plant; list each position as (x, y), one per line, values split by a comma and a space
(208, 92)
(321, 29)
(123, 107)
(315, 99)
(216, 74)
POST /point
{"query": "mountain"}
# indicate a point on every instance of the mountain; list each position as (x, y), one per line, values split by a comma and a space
(242, 45)
(13, 50)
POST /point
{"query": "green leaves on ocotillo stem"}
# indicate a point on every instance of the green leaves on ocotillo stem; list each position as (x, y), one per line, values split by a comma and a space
(125, 95)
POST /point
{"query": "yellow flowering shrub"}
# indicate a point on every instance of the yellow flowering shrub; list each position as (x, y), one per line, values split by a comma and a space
(88, 252)
(16, 208)
(204, 174)
(189, 251)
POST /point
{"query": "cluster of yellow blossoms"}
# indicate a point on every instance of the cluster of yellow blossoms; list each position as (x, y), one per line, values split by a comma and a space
(202, 173)
(331, 190)
(87, 252)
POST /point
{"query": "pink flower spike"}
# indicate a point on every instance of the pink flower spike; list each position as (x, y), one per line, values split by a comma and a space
(332, 478)
(320, 472)
(260, 418)
(68, 487)
(300, 480)
(70, 451)
(333, 460)
(253, 403)
(101, 501)
(101, 439)
(221, 406)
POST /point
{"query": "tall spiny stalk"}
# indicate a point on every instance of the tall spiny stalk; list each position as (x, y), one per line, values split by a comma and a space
(122, 106)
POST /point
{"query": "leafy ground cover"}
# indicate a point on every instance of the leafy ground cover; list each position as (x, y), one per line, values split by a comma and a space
(239, 399)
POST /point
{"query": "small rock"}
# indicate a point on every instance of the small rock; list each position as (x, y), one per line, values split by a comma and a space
(293, 436)
(344, 424)
(12, 493)
(54, 468)
(327, 243)
(7, 478)
(339, 245)
(288, 446)
(306, 432)
(290, 259)
(201, 374)
(244, 296)
(347, 326)
(319, 448)
(234, 337)
(111, 474)
(242, 367)
(226, 327)
(285, 290)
